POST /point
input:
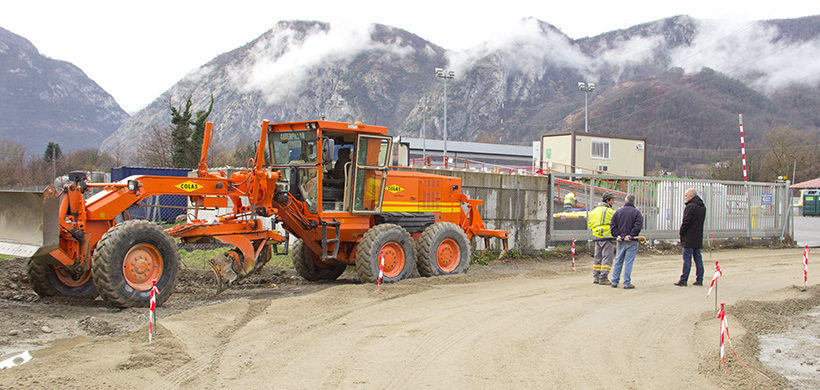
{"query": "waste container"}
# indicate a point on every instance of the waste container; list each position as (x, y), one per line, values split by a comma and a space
(811, 202)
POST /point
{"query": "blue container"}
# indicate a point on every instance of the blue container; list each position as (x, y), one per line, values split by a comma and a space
(145, 210)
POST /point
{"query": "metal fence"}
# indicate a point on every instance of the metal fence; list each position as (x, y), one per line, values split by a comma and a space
(730, 213)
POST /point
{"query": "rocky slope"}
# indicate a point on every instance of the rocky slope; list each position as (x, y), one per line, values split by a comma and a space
(45, 100)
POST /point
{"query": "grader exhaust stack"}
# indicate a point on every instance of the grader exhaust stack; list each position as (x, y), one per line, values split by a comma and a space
(29, 223)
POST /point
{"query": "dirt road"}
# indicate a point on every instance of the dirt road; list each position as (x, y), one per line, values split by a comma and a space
(510, 325)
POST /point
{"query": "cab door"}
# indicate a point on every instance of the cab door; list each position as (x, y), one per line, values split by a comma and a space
(372, 158)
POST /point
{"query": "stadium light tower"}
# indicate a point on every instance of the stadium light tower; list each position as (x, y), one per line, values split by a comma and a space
(587, 88)
(445, 74)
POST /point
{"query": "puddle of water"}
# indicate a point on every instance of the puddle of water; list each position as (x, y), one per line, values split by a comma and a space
(59, 345)
(795, 354)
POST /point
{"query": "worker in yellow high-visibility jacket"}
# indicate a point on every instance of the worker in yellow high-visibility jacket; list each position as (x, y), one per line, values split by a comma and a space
(569, 201)
(598, 223)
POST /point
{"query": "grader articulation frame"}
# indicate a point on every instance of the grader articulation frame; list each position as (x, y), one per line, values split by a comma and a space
(365, 215)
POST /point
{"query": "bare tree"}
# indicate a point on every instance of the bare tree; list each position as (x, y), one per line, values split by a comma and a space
(788, 149)
(12, 165)
(157, 148)
(88, 160)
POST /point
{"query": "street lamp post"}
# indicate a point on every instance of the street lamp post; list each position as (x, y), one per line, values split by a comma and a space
(424, 109)
(445, 74)
(587, 88)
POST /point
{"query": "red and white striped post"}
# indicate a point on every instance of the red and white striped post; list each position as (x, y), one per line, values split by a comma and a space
(724, 333)
(745, 175)
(724, 336)
(381, 270)
(806, 266)
(573, 254)
(718, 273)
(152, 318)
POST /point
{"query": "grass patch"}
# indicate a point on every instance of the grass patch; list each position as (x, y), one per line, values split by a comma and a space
(6, 257)
(198, 259)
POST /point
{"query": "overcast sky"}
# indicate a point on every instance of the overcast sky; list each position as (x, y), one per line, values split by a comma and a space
(136, 50)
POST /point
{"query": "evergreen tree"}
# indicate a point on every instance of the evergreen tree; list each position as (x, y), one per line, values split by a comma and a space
(187, 142)
(52, 152)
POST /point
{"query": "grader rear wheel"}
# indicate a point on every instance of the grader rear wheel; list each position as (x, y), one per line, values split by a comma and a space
(47, 280)
(129, 257)
(304, 261)
(443, 249)
(395, 245)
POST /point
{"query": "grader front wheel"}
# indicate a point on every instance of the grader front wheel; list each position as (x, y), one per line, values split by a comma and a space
(304, 261)
(129, 257)
(47, 280)
(394, 244)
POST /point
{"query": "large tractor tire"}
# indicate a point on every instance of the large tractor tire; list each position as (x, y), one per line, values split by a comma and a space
(47, 281)
(304, 261)
(398, 249)
(129, 257)
(443, 249)
(264, 258)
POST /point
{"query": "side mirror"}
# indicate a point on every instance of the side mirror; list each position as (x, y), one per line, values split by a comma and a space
(328, 147)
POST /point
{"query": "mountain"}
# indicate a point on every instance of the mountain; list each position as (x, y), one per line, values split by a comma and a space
(680, 82)
(44, 100)
(291, 72)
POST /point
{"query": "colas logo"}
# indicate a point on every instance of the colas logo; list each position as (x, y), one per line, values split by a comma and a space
(394, 188)
(188, 186)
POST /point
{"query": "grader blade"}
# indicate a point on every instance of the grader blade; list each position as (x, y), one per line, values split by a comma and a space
(29, 223)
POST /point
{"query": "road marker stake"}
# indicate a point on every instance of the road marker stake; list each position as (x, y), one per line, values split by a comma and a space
(806, 265)
(152, 318)
(381, 269)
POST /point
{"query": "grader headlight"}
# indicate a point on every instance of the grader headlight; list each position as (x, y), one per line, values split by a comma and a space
(133, 186)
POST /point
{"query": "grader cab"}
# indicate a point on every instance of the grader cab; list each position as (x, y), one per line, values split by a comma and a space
(329, 184)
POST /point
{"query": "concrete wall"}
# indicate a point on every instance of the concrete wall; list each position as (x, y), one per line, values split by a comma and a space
(516, 203)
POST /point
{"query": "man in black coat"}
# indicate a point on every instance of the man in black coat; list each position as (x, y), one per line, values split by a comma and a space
(691, 237)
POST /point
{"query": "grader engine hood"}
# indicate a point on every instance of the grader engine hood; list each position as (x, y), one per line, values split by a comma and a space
(29, 225)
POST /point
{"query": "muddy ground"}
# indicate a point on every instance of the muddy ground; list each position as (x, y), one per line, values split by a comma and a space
(509, 324)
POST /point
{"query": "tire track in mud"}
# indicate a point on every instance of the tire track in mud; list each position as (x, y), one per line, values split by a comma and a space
(433, 343)
(201, 370)
(195, 374)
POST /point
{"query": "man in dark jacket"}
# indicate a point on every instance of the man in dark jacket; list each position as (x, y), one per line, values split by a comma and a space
(625, 225)
(691, 237)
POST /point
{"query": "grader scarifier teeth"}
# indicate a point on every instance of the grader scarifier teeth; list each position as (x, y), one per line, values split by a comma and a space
(223, 267)
(29, 223)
